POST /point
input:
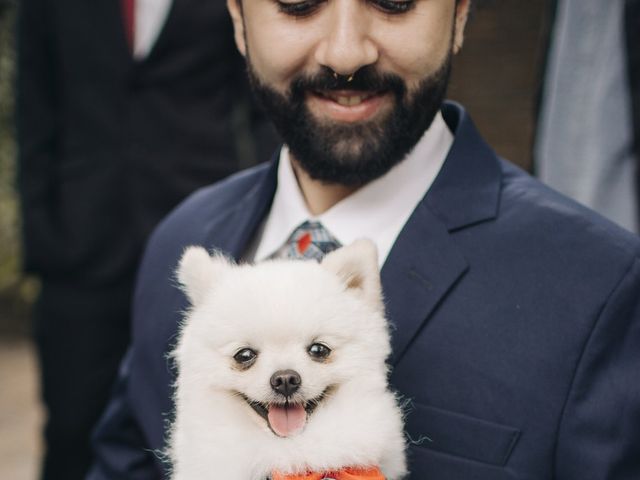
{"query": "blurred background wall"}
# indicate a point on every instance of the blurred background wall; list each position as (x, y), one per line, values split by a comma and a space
(496, 77)
(497, 74)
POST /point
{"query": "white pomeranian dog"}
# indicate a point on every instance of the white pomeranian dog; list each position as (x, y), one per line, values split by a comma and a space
(282, 370)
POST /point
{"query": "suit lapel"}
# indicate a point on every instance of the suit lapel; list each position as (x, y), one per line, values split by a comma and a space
(425, 263)
(420, 270)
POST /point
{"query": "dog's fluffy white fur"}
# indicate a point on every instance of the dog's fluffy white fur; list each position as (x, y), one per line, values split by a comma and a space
(279, 308)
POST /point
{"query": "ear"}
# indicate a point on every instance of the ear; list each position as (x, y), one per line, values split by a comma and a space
(357, 266)
(462, 15)
(198, 272)
(235, 10)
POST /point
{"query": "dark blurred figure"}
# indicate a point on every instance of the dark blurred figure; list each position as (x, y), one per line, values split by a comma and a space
(122, 111)
(588, 131)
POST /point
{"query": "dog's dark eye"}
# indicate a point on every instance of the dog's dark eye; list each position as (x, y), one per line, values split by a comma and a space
(318, 351)
(246, 357)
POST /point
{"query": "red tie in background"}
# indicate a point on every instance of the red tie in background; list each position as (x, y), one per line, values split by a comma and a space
(128, 16)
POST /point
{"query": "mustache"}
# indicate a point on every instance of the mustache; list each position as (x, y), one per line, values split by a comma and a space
(367, 79)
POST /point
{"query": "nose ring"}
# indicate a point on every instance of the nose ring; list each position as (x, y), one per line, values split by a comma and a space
(349, 78)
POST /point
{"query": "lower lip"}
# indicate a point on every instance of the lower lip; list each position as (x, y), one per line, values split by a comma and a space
(365, 110)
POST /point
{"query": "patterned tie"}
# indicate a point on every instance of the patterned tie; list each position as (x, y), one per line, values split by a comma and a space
(309, 241)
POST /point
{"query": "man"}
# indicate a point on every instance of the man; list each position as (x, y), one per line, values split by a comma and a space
(517, 312)
(114, 131)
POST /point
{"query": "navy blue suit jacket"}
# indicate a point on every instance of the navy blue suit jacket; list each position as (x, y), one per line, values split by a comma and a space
(517, 326)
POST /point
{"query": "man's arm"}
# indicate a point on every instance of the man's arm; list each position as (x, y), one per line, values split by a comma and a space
(120, 450)
(599, 434)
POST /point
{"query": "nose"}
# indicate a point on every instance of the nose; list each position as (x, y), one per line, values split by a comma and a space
(347, 45)
(286, 382)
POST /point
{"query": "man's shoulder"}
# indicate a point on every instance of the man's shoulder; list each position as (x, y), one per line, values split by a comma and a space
(521, 211)
(192, 215)
(190, 222)
(552, 220)
(213, 199)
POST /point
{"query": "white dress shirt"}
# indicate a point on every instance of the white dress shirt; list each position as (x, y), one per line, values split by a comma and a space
(149, 18)
(377, 211)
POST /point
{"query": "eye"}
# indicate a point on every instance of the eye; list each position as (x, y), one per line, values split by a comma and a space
(300, 8)
(318, 351)
(245, 357)
(393, 6)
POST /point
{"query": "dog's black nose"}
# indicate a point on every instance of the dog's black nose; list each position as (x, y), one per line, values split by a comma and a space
(286, 382)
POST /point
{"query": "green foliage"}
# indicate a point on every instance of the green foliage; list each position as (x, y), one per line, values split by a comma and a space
(16, 292)
(7, 155)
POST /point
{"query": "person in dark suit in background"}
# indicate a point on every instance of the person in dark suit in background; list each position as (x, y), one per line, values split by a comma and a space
(516, 311)
(123, 109)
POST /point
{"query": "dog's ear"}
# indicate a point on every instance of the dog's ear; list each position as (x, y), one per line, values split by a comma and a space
(198, 272)
(357, 266)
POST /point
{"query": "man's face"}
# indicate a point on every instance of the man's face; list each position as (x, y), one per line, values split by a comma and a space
(351, 85)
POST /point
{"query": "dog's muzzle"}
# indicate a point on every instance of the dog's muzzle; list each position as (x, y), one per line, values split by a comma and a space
(287, 417)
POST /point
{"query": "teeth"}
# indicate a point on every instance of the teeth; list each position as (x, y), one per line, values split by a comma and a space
(346, 100)
(350, 101)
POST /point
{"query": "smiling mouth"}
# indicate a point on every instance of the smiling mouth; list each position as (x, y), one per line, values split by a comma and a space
(348, 98)
(288, 418)
(349, 106)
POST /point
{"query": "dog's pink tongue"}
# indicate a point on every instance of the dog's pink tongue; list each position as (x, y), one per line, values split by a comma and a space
(286, 420)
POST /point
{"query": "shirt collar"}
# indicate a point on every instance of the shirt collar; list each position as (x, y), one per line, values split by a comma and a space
(377, 211)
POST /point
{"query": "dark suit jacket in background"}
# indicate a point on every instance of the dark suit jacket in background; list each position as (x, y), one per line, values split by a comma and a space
(517, 315)
(109, 145)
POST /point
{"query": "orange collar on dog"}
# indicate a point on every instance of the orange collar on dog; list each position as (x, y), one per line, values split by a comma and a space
(344, 474)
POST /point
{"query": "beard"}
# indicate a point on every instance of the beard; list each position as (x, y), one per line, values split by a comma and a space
(352, 154)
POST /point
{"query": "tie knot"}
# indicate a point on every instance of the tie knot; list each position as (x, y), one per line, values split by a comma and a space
(309, 241)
